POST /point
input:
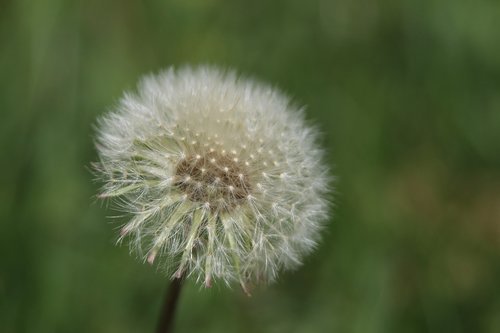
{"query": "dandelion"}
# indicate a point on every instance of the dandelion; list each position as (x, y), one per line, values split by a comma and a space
(220, 175)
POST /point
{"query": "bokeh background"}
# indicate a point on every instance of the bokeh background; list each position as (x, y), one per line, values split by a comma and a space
(407, 94)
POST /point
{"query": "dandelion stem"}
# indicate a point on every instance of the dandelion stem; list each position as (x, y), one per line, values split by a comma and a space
(165, 322)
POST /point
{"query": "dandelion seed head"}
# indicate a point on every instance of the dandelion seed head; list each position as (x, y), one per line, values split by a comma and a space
(221, 176)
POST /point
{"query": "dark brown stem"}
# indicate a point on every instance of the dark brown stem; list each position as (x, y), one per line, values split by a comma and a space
(165, 322)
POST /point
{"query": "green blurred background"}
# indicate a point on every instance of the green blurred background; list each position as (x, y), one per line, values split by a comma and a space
(407, 94)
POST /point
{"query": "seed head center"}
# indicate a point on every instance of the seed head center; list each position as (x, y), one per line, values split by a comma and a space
(213, 178)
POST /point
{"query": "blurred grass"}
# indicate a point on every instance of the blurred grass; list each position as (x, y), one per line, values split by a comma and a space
(406, 93)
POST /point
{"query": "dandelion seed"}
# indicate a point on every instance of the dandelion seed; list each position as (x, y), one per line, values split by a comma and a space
(186, 157)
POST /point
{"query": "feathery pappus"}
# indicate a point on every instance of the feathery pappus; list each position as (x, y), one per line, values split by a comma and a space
(222, 178)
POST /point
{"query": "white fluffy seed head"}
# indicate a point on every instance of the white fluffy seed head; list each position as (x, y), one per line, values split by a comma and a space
(221, 176)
